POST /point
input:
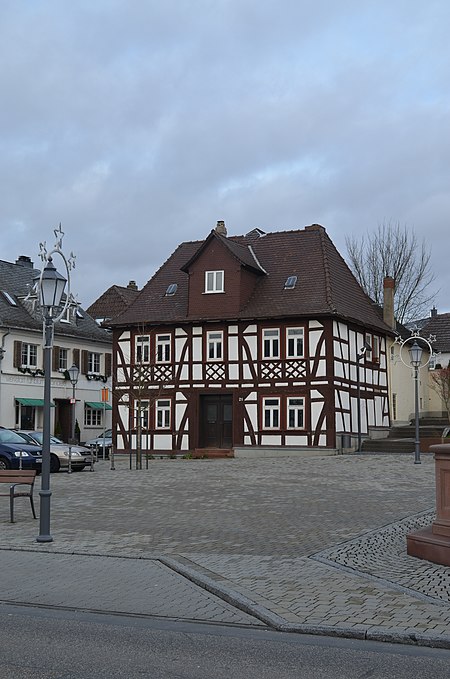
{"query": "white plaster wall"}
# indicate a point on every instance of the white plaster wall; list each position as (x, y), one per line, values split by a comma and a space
(197, 349)
(233, 352)
(296, 440)
(180, 409)
(252, 411)
(253, 348)
(270, 440)
(162, 442)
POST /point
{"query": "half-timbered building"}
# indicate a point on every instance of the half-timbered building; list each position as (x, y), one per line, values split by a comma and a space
(255, 344)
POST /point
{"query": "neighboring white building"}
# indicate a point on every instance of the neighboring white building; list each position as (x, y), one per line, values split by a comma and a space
(437, 326)
(401, 376)
(77, 340)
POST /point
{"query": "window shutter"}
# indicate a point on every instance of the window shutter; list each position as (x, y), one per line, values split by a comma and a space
(76, 357)
(108, 361)
(55, 359)
(17, 354)
(84, 361)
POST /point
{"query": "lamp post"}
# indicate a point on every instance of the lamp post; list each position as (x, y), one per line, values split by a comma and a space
(73, 372)
(359, 357)
(415, 354)
(48, 292)
(416, 361)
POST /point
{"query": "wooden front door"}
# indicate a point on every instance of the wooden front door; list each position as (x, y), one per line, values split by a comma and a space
(63, 419)
(216, 421)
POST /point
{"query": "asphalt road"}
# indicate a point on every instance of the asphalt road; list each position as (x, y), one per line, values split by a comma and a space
(38, 643)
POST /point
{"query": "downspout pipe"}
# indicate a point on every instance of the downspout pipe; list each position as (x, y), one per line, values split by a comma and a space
(2, 354)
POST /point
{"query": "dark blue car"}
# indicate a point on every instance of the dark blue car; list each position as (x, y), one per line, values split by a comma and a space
(16, 454)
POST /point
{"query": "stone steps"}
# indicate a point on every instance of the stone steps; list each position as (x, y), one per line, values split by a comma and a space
(212, 453)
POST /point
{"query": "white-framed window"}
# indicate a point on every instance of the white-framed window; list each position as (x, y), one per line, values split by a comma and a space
(67, 316)
(295, 412)
(214, 343)
(271, 343)
(142, 346)
(62, 359)
(271, 413)
(375, 348)
(372, 355)
(141, 411)
(29, 355)
(214, 281)
(294, 343)
(163, 348)
(92, 417)
(163, 414)
(94, 362)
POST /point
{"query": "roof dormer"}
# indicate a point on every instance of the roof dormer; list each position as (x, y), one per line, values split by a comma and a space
(220, 266)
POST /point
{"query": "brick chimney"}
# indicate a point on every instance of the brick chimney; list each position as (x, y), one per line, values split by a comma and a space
(132, 285)
(434, 312)
(221, 228)
(23, 260)
(388, 302)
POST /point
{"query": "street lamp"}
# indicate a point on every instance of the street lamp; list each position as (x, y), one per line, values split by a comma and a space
(416, 361)
(359, 357)
(415, 358)
(50, 288)
(73, 373)
(48, 291)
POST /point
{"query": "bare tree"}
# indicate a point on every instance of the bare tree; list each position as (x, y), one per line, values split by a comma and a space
(440, 383)
(137, 396)
(393, 250)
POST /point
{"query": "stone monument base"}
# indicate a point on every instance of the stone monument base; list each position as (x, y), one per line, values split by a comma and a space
(424, 544)
(433, 543)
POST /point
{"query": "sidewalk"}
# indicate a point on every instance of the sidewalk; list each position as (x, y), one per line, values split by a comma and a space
(313, 545)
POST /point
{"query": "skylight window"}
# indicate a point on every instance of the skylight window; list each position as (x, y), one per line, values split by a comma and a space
(9, 298)
(291, 282)
(171, 290)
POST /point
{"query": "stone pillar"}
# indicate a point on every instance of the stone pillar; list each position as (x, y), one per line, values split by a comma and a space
(433, 543)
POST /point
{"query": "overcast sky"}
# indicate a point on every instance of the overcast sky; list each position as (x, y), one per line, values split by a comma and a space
(140, 123)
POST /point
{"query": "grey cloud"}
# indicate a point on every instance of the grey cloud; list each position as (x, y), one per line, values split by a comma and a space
(138, 124)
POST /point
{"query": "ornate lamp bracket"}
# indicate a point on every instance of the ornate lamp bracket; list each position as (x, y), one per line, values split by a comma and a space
(415, 335)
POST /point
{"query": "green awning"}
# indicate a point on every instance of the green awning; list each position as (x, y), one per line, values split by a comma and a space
(98, 405)
(32, 402)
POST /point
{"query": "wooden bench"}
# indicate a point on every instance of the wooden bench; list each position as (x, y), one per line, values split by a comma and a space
(17, 480)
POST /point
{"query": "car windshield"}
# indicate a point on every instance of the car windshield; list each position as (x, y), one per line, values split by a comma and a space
(8, 436)
(38, 435)
(28, 438)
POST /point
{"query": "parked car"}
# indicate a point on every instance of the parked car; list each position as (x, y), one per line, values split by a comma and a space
(16, 453)
(102, 441)
(59, 452)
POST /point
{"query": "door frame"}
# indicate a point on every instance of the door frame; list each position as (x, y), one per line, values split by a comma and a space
(222, 441)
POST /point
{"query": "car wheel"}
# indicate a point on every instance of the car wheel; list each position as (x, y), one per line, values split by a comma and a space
(54, 463)
(4, 463)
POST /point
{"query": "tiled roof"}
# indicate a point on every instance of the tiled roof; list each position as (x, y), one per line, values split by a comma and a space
(16, 280)
(438, 325)
(325, 285)
(112, 302)
(241, 251)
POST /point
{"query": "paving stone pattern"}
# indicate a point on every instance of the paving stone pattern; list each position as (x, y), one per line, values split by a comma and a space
(314, 541)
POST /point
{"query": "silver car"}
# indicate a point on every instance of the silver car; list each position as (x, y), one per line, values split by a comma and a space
(100, 442)
(59, 452)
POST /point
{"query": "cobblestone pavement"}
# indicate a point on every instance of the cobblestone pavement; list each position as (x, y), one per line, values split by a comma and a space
(314, 545)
